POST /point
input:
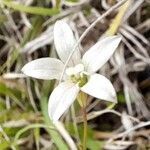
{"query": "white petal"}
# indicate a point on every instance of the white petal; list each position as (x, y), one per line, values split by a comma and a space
(44, 68)
(61, 98)
(65, 42)
(70, 71)
(78, 68)
(100, 87)
(100, 53)
(75, 70)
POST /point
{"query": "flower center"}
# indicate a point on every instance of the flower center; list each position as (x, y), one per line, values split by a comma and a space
(77, 75)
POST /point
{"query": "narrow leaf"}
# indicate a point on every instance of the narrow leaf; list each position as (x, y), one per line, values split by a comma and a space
(31, 9)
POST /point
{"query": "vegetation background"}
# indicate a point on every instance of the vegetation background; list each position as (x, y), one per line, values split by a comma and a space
(26, 33)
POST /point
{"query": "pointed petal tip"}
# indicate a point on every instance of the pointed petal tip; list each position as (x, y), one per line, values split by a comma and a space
(114, 100)
(59, 23)
(118, 37)
(24, 70)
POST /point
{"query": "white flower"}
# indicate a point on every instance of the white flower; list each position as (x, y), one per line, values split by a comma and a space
(80, 74)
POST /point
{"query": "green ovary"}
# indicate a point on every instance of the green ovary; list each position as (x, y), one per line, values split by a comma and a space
(81, 79)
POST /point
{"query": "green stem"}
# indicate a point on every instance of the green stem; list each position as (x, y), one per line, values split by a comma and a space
(85, 128)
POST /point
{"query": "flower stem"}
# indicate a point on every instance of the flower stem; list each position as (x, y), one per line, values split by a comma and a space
(85, 128)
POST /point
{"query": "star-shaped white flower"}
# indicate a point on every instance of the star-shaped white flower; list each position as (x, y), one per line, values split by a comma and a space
(80, 74)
